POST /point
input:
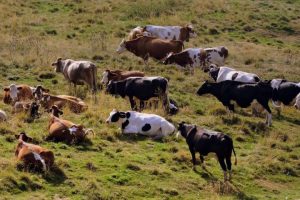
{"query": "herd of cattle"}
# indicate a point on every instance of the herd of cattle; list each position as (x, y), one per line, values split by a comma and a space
(164, 43)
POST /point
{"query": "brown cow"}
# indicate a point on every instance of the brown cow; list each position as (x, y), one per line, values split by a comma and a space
(15, 93)
(75, 104)
(118, 75)
(146, 47)
(33, 156)
(61, 130)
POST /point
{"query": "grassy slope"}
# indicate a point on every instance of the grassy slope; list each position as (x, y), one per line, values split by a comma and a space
(262, 37)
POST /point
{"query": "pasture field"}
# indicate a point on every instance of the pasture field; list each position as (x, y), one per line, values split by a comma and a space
(262, 36)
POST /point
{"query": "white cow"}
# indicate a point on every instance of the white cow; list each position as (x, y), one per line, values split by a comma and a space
(224, 73)
(140, 123)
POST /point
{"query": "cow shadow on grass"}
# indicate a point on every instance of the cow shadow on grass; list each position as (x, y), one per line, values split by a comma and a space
(221, 187)
(55, 176)
(288, 119)
(85, 145)
(132, 138)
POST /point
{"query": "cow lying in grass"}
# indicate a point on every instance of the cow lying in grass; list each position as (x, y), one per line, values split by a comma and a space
(242, 93)
(61, 130)
(133, 122)
(75, 104)
(32, 108)
(206, 141)
(14, 93)
(33, 156)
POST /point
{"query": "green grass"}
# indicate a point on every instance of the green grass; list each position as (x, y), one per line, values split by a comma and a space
(262, 37)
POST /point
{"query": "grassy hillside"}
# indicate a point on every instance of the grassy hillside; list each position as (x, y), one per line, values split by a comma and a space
(262, 37)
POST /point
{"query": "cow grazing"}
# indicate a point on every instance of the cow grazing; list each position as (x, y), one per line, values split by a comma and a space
(77, 72)
(142, 88)
(146, 47)
(15, 93)
(206, 141)
(75, 104)
(133, 122)
(182, 33)
(61, 130)
(33, 156)
(220, 74)
(118, 75)
(242, 93)
(3, 116)
(198, 57)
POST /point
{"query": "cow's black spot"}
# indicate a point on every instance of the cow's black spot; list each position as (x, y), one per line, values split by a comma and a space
(169, 33)
(234, 76)
(115, 117)
(256, 79)
(146, 127)
(124, 124)
(128, 115)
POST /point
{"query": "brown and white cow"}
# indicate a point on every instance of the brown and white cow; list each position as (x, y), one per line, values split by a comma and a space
(61, 130)
(182, 33)
(15, 93)
(198, 57)
(145, 47)
(75, 104)
(118, 75)
(33, 156)
(77, 72)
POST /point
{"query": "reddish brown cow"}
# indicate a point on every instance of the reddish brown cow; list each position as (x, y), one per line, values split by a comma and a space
(118, 75)
(75, 104)
(146, 47)
(61, 130)
(15, 93)
(33, 156)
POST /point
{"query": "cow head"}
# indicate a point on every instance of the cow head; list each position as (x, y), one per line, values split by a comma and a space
(58, 65)
(184, 129)
(55, 111)
(11, 93)
(38, 92)
(23, 137)
(79, 132)
(169, 59)
(116, 116)
(205, 88)
(213, 71)
(191, 31)
(105, 77)
(45, 99)
(122, 47)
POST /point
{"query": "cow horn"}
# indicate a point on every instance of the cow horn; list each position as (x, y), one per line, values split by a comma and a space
(87, 132)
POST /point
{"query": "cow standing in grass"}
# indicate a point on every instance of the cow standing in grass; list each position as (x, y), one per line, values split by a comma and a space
(78, 72)
(145, 47)
(206, 141)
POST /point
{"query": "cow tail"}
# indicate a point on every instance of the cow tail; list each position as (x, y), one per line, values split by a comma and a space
(235, 160)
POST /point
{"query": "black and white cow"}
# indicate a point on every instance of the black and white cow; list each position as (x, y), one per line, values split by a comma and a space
(224, 73)
(141, 88)
(206, 141)
(284, 92)
(242, 93)
(141, 123)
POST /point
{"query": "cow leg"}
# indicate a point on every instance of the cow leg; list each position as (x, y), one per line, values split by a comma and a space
(192, 69)
(269, 112)
(146, 59)
(132, 103)
(223, 165)
(142, 105)
(228, 163)
(202, 161)
(193, 156)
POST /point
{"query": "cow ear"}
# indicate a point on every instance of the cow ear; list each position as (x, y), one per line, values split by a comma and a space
(6, 89)
(61, 112)
(80, 127)
(50, 110)
(17, 136)
(46, 90)
(19, 88)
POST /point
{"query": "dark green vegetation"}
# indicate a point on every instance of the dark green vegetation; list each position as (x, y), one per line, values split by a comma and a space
(262, 37)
